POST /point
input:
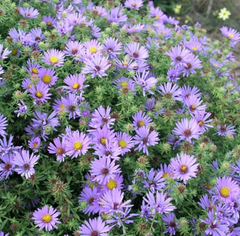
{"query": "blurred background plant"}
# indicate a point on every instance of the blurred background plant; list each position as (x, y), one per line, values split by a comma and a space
(212, 14)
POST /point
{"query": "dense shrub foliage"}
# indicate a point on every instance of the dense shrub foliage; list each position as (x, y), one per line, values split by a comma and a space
(116, 120)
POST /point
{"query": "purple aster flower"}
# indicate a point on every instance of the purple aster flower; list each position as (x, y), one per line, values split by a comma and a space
(179, 55)
(96, 66)
(124, 142)
(110, 150)
(192, 63)
(145, 138)
(3, 54)
(159, 202)
(194, 104)
(170, 91)
(184, 167)
(69, 104)
(121, 219)
(77, 144)
(50, 21)
(153, 180)
(230, 33)
(40, 92)
(101, 117)
(7, 166)
(104, 169)
(94, 227)
(74, 48)
(27, 84)
(91, 196)
(215, 227)
(202, 119)
(3, 125)
(37, 35)
(167, 171)
(32, 67)
(53, 57)
(207, 203)
(29, 12)
(173, 74)
(139, 66)
(140, 119)
(150, 104)
(44, 121)
(170, 223)
(46, 218)
(75, 83)
(116, 182)
(103, 135)
(163, 31)
(224, 213)
(136, 51)
(145, 81)
(58, 148)
(187, 91)
(227, 189)
(34, 143)
(101, 11)
(6, 146)
(158, 14)
(47, 76)
(116, 15)
(112, 201)
(145, 211)
(193, 45)
(187, 129)
(134, 4)
(124, 85)
(224, 130)
(93, 47)
(25, 163)
(112, 46)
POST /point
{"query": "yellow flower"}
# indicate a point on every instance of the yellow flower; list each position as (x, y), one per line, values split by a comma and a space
(177, 8)
(224, 14)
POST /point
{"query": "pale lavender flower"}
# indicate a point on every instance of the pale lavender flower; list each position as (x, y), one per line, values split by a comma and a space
(25, 163)
(29, 12)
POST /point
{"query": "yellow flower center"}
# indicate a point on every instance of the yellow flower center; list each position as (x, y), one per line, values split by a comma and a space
(122, 143)
(124, 84)
(46, 218)
(29, 86)
(165, 175)
(93, 49)
(47, 79)
(201, 123)
(230, 36)
(111, 184)
(157, 17)
(14, 52)
(76, 86)
(77, 145)
(194, 48)
(49, 23)
(60, 151)
(34, 70)
(53, 60)
(140, 123)
(125, 63)
(224, 191)
(183, 169)
(38, 94)
(134, 4)
(35, 145)
(62, 106)
(103, 141)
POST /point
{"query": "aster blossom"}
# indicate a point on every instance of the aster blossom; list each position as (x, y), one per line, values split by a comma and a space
(54, 57)
(29, 12)
(95, 226)
(25, 163)
(159, 202)
(46, 218)
(112, 201)
(184, 167)
(145, 138)
(134, 4)
(77, 144)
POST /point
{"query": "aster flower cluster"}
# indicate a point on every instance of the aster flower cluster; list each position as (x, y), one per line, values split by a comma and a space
(116, 120)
